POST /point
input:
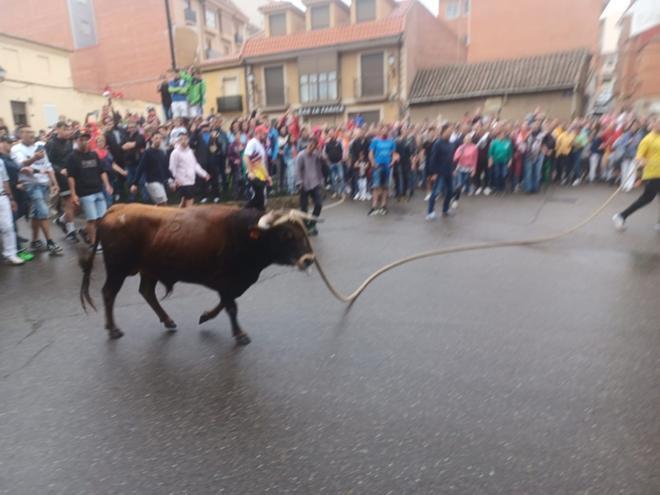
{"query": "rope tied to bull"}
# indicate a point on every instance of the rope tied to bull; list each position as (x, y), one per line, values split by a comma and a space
(352, 297)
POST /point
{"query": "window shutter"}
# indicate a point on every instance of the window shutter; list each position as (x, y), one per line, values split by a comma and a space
(372, 80)
(274, 77)
(277, 24)
(365, 10)
(320, 16)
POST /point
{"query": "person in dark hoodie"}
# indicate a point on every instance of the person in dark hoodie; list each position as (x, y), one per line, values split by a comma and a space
(154, 168)
(440, 171)
(58, 149)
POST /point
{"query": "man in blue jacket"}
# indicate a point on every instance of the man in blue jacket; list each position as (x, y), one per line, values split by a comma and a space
(440, 171)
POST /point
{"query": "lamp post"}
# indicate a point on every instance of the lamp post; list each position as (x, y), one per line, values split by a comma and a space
(169, 33)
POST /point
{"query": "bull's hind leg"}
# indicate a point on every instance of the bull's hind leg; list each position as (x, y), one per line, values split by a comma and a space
(111, 287)
(240, 336)
(148, 291)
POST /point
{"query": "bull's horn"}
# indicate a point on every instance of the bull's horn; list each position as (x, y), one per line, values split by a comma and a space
(266, 221)
(304, 216)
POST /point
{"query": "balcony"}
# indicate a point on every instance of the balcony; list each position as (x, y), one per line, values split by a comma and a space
(190, 16)
(369, 90)
(230, 104)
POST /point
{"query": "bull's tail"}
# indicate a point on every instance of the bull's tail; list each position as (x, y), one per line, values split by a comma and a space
(86, 262)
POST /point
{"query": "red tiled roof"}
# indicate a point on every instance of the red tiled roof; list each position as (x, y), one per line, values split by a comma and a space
(390, 26)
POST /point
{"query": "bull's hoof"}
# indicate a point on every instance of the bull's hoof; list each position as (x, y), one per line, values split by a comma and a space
(115, 333)
(170, 325)
(242, 339)
(205, 317)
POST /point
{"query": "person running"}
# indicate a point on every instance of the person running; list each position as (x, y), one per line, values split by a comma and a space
(38, 179)
(87, 181)
(309, 180)
(381, 155)
(648, 157)
(184, 168)
(58, 149)
(440, 172)
(154, 167)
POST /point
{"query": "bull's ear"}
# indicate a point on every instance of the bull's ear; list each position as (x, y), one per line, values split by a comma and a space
(254, 233)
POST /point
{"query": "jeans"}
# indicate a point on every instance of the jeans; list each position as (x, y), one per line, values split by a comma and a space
(316, 199)
(337, 177)
(131, 170)
(576, 159)
(93, 206)
(442, 182)
(167, 111)
(290, 175)
(499, 176)
(594, 163)
(532, 173)
(39, 196)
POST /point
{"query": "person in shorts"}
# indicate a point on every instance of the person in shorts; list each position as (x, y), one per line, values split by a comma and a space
(382, 152)
(184, 168)
(87, 181)
(37, 178)
(153, 165)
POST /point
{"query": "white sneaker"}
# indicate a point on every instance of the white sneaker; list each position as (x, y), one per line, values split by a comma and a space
(454, 204)
(427, 197)
(431, 216)
(478, 191)
(487, 191)
(576, 182)
(14, 260)
(619, 222)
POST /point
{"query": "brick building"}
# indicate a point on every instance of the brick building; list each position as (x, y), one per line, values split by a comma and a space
(638, 68)
(124, 44)
(501, 29)
(331, 61)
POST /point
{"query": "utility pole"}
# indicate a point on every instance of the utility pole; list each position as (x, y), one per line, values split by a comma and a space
(169, 33)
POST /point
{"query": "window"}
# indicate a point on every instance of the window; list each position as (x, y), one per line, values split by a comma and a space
(187, 4)
(83, 26)
(277, 24)
(372, 78)
(318, 87)
(365, 10)
(274, 81)
(210, 18)
(320, 16)
(466, 7)
(19, 113)
(452, 10)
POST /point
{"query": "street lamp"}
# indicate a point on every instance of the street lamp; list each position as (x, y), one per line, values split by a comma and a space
(3, 74)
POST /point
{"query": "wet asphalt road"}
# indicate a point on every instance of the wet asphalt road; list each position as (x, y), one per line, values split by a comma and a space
(521, 370)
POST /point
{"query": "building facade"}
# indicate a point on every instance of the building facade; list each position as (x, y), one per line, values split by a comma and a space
(129, 49)
(637, 85)
(331, 62)
(38, 86)
(501, 29)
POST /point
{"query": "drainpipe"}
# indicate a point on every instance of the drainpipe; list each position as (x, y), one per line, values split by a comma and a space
(170, 35)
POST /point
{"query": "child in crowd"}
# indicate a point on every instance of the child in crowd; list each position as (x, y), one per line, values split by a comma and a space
(362, 169)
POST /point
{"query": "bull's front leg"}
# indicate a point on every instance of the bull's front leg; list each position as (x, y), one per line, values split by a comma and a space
(240, 336)
(211, 313)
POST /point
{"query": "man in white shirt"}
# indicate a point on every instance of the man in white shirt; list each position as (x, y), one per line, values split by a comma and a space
(7, 208)
(38, 178)
(184, 168)
(255, 158)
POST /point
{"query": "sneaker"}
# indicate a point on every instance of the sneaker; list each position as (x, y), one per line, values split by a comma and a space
(216, 200)
(454, 204)
(71, 237)
(99, 248)
(54, 249)
(204, 201)
(383, 211)
(487, 191)
(431, 216)
(619, 222)
(373, 212)
(37, 246)
(14, 260)
(427, 197)
(312, 231)
(576, 182)
(478, 191)
(448, 213)
(25, 256)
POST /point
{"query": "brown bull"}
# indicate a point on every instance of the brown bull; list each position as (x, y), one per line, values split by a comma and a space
(222, 248)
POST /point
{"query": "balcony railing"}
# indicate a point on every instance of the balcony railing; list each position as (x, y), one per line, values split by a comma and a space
(229, 104)
(367, 90)
(190, 15)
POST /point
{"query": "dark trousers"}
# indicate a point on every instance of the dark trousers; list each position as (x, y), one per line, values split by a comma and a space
(257, 195)
(564, 165)
(443, 182)
(316, 199)
(651, 190)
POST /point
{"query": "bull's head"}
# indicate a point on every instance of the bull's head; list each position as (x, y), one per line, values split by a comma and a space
(284, 233)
